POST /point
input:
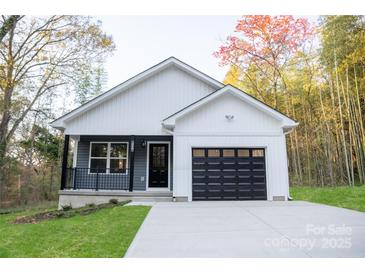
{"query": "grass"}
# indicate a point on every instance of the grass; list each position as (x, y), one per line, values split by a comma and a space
(34, 206)
(106, 233)
(346, 197)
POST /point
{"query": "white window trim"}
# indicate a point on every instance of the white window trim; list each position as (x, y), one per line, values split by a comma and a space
(108, 158)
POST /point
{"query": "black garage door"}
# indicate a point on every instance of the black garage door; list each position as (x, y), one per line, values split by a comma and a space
(229, 174)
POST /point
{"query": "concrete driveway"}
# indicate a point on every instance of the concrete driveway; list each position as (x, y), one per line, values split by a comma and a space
(249, 229)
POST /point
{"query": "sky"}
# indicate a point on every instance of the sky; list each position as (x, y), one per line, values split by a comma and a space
(143, 41)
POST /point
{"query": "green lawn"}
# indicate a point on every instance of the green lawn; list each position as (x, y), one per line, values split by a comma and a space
(347, 197)
(105, 233)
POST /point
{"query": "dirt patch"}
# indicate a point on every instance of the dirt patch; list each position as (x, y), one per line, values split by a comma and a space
(49, 215)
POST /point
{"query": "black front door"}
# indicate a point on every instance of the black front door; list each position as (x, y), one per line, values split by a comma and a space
(158, 165)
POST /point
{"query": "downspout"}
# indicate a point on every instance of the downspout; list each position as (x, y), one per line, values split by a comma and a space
(286, 133)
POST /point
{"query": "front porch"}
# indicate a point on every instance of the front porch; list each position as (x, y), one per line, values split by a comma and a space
(96, 169)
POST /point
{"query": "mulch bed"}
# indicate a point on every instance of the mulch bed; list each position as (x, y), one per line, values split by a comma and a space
(49, 215)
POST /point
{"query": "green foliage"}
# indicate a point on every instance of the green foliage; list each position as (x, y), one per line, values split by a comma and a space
(104, 234)
(66, 207)
(66, 212)
(91, 84)
(346, 197)
(342, 40)
(113, 201)
(320, 83)
(43, 143)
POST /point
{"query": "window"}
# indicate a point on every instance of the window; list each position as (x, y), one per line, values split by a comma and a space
(98, 157)
(213, 153)
(198, 152)
(228, 152)
(243, 153)
(257, 153)
(108, 157)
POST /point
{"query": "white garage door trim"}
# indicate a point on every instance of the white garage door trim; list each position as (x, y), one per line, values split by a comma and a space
(265, 147)
(204, 170)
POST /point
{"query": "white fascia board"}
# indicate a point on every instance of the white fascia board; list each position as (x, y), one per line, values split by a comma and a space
(170, 121)
(286, 121)
(60, 122)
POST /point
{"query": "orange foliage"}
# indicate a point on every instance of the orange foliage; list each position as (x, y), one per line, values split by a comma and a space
(263, 38)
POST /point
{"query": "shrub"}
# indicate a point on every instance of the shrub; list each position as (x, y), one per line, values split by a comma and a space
(66, 207)
(91, 205)
(113, 201)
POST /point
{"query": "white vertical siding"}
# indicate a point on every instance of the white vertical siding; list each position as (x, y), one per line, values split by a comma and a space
(211, 118)
(141, 109)
(276, 160)
(208, 127)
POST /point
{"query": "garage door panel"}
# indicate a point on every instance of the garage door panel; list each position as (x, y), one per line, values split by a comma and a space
(258, 166)
(244, 186)
(244, 179)
(256, 179)
(244, 174)
(213, 180)
(228, 180)
(229, 174)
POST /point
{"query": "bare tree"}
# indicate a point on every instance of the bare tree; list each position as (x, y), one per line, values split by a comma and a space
(39, 55)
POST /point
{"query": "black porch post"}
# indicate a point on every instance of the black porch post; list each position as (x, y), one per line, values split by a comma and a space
(131, 169)
(64, 161)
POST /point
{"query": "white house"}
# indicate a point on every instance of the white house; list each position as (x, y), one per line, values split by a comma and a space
(174, 133)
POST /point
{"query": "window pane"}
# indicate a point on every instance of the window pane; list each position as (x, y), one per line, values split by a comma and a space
(198, 153)
(213, 153)
(98, 165)
(118, 165)
(99, 150)
(118, 150)
(243, 153)
(228, 152)
(257, 153)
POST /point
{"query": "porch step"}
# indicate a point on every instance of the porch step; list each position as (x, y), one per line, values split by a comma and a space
(85, 192)
(151, 199)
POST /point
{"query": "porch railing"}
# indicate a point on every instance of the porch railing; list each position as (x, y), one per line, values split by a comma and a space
(97, 179)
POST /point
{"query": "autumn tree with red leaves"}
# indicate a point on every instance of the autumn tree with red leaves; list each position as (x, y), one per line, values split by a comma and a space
(260, 50)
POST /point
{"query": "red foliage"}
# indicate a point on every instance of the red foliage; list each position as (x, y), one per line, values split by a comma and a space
(264, 39)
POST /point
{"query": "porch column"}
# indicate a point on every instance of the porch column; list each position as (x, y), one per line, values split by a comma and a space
(76, 139)
(131, 165)
(64, 161)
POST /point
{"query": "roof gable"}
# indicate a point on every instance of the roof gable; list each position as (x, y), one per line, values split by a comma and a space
(172, 61)
(287, 123)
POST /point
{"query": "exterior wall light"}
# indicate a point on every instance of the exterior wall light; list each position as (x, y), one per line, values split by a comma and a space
(229, 117)
(143, 143)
